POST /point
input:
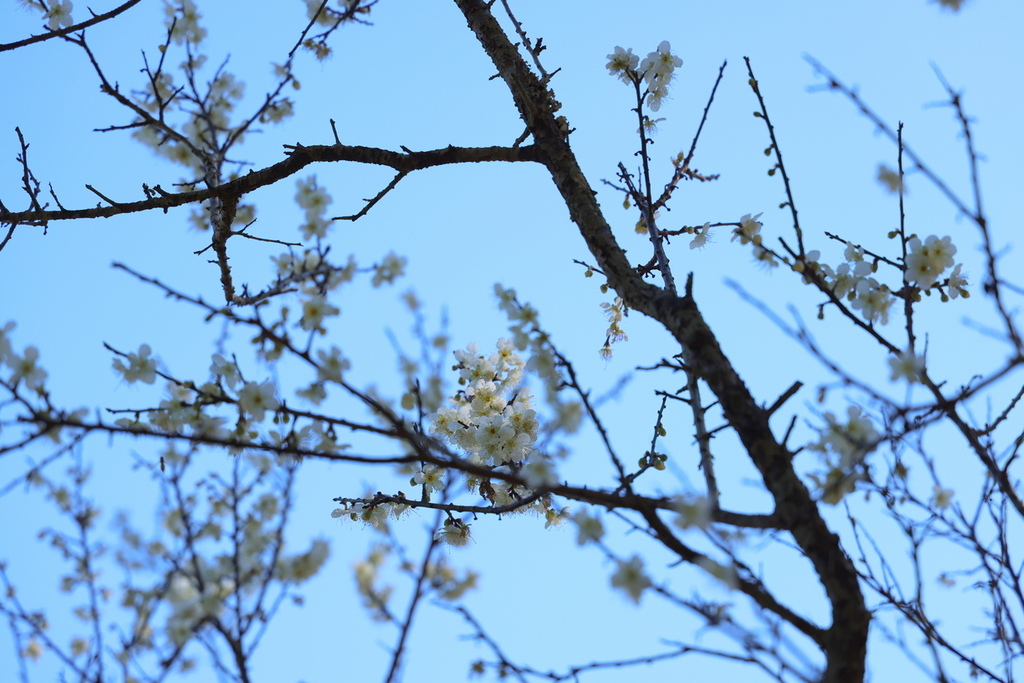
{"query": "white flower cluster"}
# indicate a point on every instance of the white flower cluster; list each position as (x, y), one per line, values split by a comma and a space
(528, 334)
(927, 260)
(389, 269)
(190, 607)
(656, 70)
(851, 281)
(615, 311)
(314, 200)
(489, 419)
(191, 407)
(851, 442)
(184, 17)
(747, 231)
(367, 572)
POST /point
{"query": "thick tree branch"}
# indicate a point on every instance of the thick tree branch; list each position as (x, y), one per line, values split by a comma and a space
(299, 156)
(845, 643)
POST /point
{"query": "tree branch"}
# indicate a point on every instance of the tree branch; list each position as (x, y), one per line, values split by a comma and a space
(299, 156)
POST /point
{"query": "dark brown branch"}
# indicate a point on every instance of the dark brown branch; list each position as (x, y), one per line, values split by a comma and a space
(299, 156)
(845, 642)
(97, 18)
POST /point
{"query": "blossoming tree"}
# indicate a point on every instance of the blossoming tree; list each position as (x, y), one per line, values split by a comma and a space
(495, 428)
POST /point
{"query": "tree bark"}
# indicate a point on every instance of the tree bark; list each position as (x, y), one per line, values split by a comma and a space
(845, 643)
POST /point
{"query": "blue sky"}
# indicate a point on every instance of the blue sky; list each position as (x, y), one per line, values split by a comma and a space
(417, 78)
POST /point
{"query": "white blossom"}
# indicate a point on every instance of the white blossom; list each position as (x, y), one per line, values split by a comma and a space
(140, 368)
(906, 365)
(630, 577)
(589, 528)
(256, 399)
(926, 261)
(59, 14)
(622, 63)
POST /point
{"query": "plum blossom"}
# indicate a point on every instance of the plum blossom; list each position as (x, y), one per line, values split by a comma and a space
(873, 300)
(391, 267)
(256, 399)
(489, 419)
(59, 14)
(957, 283)
(890, 179)
(332, 365)
(693, 512)
(589, 528)
(26, 368)
(225, 369)
(655, 96)
(907, 365)
(851, 441)
(314, 200)
(540, 474)
(314, 309)
(657, 70)
(277, 111)
(622, 63)
(630, 577)
(926, 261)
(941, 498)
(430, 477)
(659, 66)
(140, 368)
(701, 235)
(454, 532)
(555, 517)
(299, 568)
(184, 17)
(748, 230)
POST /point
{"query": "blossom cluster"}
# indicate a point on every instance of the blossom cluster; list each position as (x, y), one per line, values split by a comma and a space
(184, 16)
(845, 444)
(852, 280)
(656, 70)
(314, 200)
(389, 269)
(615, 311)
(489, 418)
(528, 335)
(927, 260)
(747, 231)
(850, 440)
(192, 605)
(237, 551)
